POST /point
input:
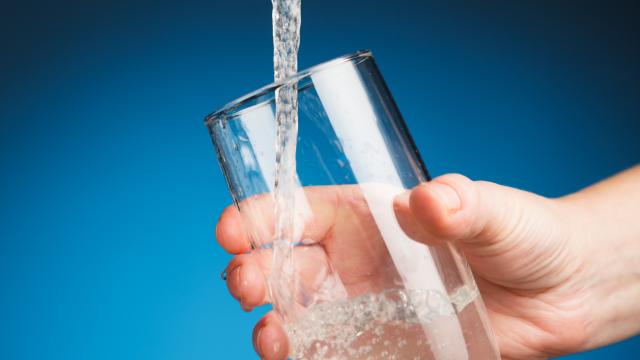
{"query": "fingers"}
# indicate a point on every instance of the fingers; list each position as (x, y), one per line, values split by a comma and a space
(269, 338)
(247, 275)
(324, 203)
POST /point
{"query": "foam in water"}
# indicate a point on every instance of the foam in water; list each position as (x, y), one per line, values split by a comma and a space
(388, 325)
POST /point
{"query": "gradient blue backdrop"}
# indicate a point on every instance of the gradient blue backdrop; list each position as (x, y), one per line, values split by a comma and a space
(109, 187)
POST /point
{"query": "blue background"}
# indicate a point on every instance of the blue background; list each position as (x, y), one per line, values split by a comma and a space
(109, 187)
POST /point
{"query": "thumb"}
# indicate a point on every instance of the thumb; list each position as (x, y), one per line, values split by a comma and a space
(500, 229)
(454, 208)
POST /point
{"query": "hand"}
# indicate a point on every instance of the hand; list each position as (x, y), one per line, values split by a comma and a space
(347, 241)
(528, 253)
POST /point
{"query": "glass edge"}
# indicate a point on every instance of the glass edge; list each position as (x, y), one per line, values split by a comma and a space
(294, 78)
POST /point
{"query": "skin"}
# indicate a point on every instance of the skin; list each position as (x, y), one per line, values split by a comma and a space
(557, 276)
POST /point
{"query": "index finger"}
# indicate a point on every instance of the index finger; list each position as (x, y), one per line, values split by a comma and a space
(236, 236)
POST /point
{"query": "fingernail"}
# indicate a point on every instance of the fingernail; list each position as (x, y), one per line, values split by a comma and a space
(447, 195)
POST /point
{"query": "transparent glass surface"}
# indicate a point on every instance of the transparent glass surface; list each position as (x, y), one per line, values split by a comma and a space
(361, 288)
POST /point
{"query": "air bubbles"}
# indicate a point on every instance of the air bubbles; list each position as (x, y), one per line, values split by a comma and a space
(388, 325)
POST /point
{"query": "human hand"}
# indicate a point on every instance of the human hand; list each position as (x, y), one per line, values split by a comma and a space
(527, 253)
(347, 243)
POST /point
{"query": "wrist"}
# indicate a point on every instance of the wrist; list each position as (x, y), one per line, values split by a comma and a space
(609, 276)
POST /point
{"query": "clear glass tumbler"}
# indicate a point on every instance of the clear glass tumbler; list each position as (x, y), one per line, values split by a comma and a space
(357, 286)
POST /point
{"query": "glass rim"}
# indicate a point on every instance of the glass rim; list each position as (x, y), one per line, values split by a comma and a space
(239, 102)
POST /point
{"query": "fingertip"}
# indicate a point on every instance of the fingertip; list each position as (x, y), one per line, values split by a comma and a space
(257, 332)
(246, 281)
(229, 232)
(407, 221)
(439, 206)
(441, 193)
(269, 338)
(431, 214)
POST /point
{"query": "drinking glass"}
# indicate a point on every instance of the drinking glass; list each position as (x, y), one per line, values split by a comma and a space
(355, 285)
